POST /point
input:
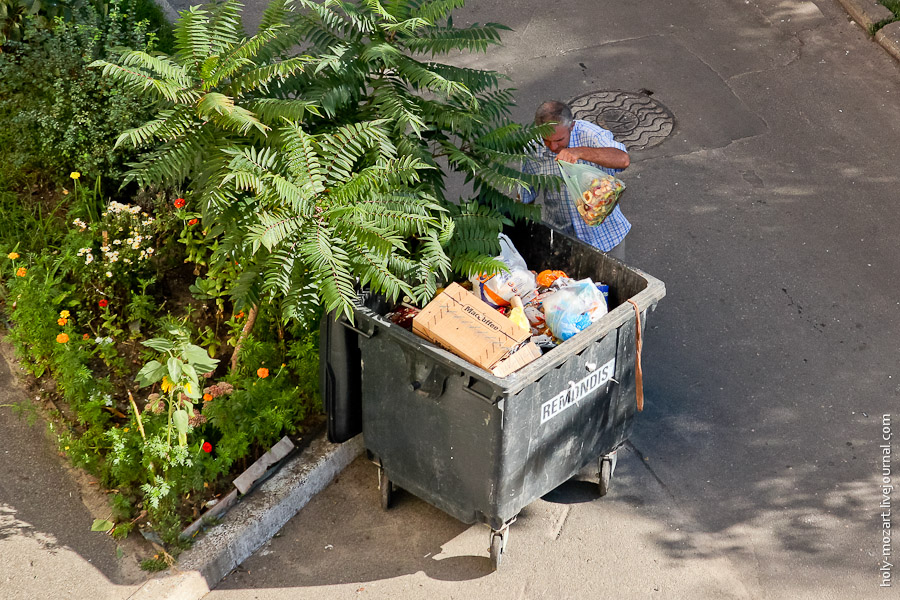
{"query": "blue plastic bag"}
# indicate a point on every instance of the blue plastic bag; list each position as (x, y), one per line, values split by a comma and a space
(573, 308)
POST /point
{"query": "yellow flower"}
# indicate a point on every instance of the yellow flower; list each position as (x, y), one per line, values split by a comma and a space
(187, 387)
(12, 255)
(75, 175)
(166, 385)
(125, 430)
(62, 321)
(64, 314)
(62, 338)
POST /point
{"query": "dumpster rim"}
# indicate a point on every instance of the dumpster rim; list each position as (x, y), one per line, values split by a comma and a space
(514, 383)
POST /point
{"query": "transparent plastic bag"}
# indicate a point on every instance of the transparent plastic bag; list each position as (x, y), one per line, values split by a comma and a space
(573, 308)
(595, 192)
(498, 289)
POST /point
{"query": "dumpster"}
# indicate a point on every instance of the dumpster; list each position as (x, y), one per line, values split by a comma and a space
(482, 448)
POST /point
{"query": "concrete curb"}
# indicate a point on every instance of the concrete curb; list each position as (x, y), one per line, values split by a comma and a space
(868, 13)
(252, 522)
(889, 37)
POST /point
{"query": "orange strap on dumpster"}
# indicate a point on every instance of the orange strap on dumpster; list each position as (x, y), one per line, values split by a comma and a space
(638, 377)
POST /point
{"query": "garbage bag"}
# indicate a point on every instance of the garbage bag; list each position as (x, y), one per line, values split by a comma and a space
(573, 308)
(498, 289)
(594, 191)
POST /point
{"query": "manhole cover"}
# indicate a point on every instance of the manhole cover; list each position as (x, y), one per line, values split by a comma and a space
(636, 120)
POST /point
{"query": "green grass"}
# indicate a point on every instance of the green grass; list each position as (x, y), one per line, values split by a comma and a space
(28, 226)
(893, 5)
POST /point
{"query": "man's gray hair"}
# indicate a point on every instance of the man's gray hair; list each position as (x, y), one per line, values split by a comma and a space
(553, 111)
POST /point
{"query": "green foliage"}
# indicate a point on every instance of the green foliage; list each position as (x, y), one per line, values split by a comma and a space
(154, 565)
(58, 116)
(323, 170)
(28, 225)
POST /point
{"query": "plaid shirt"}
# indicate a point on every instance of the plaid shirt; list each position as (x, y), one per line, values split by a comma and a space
(558, 209)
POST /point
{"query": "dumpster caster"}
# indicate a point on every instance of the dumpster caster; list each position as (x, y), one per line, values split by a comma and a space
(499, 538)
(386, 487)
(607, 466)
(496, 550)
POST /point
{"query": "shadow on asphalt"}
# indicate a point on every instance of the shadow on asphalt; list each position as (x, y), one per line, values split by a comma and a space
(344, 536)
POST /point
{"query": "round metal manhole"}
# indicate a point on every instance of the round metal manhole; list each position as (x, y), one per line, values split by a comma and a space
(636, 120)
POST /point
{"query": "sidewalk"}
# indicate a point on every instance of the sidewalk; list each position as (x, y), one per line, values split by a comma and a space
(46, 543)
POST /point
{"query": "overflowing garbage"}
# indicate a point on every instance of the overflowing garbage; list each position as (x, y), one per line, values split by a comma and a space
(503, 321)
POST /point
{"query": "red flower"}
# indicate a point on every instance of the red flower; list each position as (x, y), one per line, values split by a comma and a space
(193, 222)
(103, 303)
(179, 203)
(207, 447)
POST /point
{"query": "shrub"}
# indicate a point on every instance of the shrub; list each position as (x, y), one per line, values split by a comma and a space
(323, 169)
(59, 116)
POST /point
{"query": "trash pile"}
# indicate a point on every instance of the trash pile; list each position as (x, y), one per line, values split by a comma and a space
(501, 322)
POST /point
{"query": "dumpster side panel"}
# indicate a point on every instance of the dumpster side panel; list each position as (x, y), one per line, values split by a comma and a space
(557, 425)
(434, 435)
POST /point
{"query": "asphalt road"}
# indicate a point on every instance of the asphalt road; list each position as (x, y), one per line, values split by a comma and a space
(769, 213)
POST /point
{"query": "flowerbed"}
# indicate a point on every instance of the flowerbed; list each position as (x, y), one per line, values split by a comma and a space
(164, 391)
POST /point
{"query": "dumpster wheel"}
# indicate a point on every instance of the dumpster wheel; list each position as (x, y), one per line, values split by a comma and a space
(386, 487)
(496, 550)
(607, 466)
(499, 538)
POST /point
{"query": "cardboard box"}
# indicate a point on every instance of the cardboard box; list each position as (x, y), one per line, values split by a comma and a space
(517, 360)
(463, 324)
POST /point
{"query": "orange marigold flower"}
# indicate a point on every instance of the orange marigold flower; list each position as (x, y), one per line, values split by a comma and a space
(240, 315)
(12, 255)
(62, 321)
(207, 397)
(62, 338)
(86, 336)
(21, 271)
(262, 372)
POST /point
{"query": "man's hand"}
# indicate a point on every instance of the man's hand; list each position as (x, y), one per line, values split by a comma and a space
(571, 155)
(611, 158)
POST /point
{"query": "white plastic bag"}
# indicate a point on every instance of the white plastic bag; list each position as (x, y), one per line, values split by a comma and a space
(573, 308)
(498, 289)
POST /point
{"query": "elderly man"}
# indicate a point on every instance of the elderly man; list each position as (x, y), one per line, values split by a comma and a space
(577, 141)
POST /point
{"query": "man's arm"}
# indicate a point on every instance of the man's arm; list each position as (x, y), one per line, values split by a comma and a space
(611, 158)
